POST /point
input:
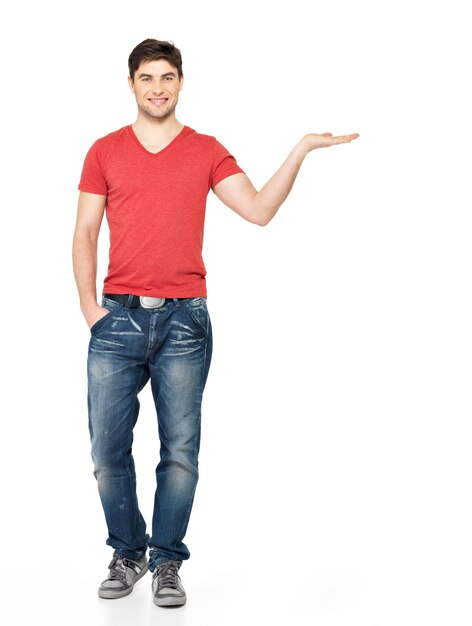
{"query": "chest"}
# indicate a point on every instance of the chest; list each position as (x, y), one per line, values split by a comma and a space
(181, 176)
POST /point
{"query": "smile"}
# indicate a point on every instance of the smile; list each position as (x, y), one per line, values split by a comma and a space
(157, 101)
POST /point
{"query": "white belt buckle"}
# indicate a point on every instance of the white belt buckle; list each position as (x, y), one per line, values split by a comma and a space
(151, 303)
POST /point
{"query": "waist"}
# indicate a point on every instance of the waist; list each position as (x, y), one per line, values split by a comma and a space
(131, 301)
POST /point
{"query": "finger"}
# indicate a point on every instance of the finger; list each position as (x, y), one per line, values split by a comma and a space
(346, 138)
(326, 134)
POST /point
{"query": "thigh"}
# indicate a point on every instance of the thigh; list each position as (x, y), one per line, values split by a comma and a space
(116, 372)
(179, 369)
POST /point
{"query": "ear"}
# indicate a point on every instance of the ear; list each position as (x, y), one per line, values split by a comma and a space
(131, 83)
(181, 82)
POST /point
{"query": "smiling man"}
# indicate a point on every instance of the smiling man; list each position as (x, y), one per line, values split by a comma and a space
(152, 178)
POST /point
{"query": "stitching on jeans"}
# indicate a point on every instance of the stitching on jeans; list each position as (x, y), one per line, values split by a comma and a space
(195, 318)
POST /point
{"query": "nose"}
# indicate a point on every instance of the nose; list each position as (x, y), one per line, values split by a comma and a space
(157, 89)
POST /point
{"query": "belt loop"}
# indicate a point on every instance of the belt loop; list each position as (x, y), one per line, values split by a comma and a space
(176, 302)
(129, 302)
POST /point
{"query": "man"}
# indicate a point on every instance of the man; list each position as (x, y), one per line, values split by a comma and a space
(153, 178)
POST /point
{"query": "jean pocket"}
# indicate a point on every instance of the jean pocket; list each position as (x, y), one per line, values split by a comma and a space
(100, 321)
(198, 312)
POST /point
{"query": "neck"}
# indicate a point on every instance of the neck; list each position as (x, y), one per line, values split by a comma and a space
(152, 127)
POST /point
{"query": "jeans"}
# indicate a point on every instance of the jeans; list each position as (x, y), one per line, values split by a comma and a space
(172, 348)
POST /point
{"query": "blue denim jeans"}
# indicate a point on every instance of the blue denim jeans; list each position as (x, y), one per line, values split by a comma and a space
(172, 348)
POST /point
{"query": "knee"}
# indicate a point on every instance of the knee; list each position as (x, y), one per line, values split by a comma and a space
(107, 457)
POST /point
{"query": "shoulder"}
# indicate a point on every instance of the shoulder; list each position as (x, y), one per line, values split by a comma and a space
(113, 137)
(204, 141)
(204, 138)
(110, 143)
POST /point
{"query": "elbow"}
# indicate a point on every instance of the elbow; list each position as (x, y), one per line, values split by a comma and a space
(257, 214)
(255, 217)
(260, 217)
(263, 217)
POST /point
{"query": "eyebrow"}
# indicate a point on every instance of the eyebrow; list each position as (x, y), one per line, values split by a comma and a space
(150, 75)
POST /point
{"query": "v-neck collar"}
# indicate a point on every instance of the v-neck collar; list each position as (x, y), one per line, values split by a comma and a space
(183, 132)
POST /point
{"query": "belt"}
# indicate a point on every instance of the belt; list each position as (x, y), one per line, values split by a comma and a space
(130, 301)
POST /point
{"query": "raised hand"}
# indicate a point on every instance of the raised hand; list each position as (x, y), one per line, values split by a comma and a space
(313, 141)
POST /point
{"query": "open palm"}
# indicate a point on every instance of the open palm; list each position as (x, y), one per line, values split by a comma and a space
(325, 140)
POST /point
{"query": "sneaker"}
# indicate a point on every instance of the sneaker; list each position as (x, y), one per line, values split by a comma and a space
(167, 588)
(123, 576)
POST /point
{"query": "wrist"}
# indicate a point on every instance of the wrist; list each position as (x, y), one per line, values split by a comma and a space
(89, 306)
(303, 147)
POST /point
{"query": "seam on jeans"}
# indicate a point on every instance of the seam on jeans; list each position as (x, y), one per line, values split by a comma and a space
(196, 451)
(134, 487)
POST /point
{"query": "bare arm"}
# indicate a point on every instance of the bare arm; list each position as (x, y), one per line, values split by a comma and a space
(90, 212)
(259, 207)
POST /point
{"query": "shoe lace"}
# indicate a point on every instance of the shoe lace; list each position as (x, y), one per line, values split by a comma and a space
(167, 576)
(117, 570)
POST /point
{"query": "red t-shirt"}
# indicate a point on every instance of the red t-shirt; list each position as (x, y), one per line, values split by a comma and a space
(156, 209)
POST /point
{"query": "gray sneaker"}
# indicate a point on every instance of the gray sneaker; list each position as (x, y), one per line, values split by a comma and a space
(167, 588)
(122, 578)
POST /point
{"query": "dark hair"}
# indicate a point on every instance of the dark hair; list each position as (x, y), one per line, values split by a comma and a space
(151, 50)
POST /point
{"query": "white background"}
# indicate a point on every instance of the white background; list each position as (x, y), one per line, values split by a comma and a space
(335, 484)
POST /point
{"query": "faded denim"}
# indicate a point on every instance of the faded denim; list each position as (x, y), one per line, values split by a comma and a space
(172, 348)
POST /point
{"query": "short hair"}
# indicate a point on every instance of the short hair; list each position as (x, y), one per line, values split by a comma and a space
(151, 50)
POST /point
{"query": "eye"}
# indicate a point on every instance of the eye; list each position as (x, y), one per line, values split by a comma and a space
(169, 77)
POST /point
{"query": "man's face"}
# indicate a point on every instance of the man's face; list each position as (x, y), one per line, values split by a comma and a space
(156, 87)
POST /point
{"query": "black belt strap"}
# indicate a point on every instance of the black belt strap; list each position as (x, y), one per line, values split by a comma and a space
(131, 301)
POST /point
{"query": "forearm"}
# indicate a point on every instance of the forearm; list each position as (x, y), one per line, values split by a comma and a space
(268, 200)
(84, 257)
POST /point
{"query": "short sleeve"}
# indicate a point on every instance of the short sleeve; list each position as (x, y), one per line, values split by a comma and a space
(224, 164)
(93, 179)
